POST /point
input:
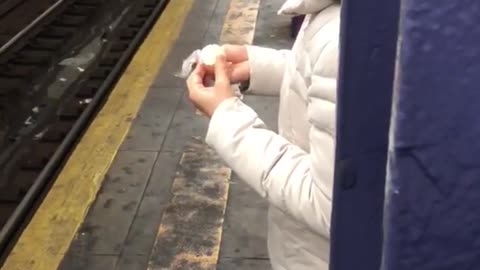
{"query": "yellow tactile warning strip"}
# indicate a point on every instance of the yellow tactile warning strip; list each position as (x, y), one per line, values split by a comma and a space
(46, 239)
(240, 22)
(190, 233)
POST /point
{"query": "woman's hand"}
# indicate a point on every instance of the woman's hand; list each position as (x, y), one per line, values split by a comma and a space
(239, 68)
(207, 99)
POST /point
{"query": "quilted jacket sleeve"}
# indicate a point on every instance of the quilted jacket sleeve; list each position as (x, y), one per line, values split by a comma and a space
(297, 182)
(293, 180)
(267, 68)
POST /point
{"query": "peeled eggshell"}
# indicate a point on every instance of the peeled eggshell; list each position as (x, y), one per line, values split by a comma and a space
(209, 54)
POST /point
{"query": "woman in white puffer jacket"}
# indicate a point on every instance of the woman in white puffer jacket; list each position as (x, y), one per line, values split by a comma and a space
(292, 169)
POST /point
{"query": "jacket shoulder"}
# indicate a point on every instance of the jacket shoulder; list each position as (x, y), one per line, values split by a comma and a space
(322, 36)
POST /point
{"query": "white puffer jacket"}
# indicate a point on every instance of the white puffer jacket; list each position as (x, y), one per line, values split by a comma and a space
(292, 169)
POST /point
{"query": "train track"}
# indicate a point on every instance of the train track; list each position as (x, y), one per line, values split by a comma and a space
(8, 5)
(18, 16)
(52, 82)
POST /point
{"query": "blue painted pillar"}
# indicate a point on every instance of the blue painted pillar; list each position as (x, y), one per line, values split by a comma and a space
(367, 62)
(433, 206)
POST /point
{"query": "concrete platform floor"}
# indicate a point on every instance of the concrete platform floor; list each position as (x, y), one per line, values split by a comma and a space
(120, 228)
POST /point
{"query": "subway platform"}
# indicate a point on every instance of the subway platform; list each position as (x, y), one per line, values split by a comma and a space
(141, 190)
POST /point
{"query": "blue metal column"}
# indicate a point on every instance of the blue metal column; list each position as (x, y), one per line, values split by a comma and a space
(433, 206)
(367, 60)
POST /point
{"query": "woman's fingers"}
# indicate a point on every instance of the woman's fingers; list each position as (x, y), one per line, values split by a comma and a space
(207, 99)
(195, 81)
(235, 53)
(221, 72)
(239, 72)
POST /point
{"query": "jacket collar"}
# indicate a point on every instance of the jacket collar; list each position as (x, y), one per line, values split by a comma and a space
(303, 7)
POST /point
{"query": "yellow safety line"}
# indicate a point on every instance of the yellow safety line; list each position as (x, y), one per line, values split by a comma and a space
(240, 22)
(191, 228)
(46, 239)
(190, 232)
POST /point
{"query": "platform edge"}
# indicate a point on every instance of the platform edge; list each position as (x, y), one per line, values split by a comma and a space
(47, 237)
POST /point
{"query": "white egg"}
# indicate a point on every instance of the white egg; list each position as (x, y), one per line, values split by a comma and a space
(209, 54)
